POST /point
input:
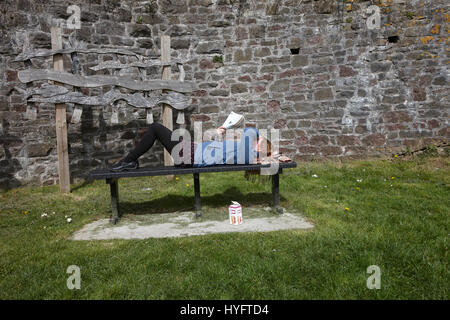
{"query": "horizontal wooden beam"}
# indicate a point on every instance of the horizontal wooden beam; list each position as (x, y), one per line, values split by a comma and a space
(176, 100)
(49, 53)
(30, 75)
(138, 64)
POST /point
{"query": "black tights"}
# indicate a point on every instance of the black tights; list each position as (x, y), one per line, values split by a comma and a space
(155, 131)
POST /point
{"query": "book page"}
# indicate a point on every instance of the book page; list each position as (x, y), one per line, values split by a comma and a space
(233, 119)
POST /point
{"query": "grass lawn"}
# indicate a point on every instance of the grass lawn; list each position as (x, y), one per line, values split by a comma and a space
(389, 213)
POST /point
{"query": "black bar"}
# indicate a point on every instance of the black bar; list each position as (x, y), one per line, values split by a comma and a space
(114, 187)
(198, 203)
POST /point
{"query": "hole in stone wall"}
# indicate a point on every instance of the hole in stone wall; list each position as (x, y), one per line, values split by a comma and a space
(295, 51)
(393, 39)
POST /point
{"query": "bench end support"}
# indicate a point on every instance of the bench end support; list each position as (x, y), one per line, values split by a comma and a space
(276, 193)
(198, 203)
(114, 188)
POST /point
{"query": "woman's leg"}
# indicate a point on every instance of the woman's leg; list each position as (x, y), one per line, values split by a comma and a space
(156, 131)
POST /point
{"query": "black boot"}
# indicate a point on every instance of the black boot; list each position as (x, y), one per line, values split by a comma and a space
(124, 165)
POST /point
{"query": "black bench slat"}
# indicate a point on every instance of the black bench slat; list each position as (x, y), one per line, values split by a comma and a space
(172, 170)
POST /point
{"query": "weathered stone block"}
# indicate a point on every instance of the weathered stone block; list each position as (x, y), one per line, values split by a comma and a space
(110, 27)
(280, 123)
(38, 150)
(325, 6)
(375, 139)
(11, 75)
(262, 52)
(319, 140)
(152, 19)
(180, 43)
(206, 64)
(273, 106)
(121, 41)
(280, 85)
(345, 71)
(139, 30)
(269, 69)
(146, 43)
(396, 116)
(128, 135)
(239, 88)
(219, 24)
(394, 99)
(200, 117)
(242, 55)
(173, 6)
(257, 32)
(220, 92)
(323, 94)
(290, 73)
(241, 33)
(209, 109)
(348, 140)
(299, 60)
(440, 81)
(419, 94)
(245, 78)
(331, 150)
(308, 150)
(40, 40)
(210, 47)
(380, 66)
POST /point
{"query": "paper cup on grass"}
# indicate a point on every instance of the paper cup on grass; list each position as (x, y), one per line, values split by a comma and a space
(235, 212)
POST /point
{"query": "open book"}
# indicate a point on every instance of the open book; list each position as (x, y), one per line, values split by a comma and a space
(233, 120)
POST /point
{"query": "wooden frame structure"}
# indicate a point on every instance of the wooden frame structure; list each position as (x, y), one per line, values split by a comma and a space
(173, 91)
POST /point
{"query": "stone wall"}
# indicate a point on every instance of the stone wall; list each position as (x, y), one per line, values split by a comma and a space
(311, 68)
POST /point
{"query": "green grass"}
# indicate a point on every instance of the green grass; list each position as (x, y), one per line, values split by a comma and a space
(397, 218)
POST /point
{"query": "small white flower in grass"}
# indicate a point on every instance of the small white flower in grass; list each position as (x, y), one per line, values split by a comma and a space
(69, 220)
(314, 175)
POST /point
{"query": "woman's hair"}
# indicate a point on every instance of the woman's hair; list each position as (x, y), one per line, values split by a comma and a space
(255, 175)
(267, 149)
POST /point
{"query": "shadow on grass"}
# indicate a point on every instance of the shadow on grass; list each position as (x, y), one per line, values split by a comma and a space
(82, 185)
(172, 203)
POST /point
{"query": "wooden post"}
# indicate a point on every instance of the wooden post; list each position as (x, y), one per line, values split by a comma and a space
(60, 119)
(167, 110)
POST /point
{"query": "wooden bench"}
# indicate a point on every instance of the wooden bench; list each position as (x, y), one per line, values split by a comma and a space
(112, 178)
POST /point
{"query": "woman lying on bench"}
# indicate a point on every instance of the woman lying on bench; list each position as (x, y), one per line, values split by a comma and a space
(246, 151)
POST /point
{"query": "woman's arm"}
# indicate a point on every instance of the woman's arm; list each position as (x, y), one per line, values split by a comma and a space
(221, 131)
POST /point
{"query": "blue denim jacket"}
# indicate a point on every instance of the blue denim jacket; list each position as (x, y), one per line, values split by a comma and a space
(227, 152)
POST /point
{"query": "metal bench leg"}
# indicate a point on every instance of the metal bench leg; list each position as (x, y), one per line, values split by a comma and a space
(198, 204)
(276, 192)
(114, 187)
